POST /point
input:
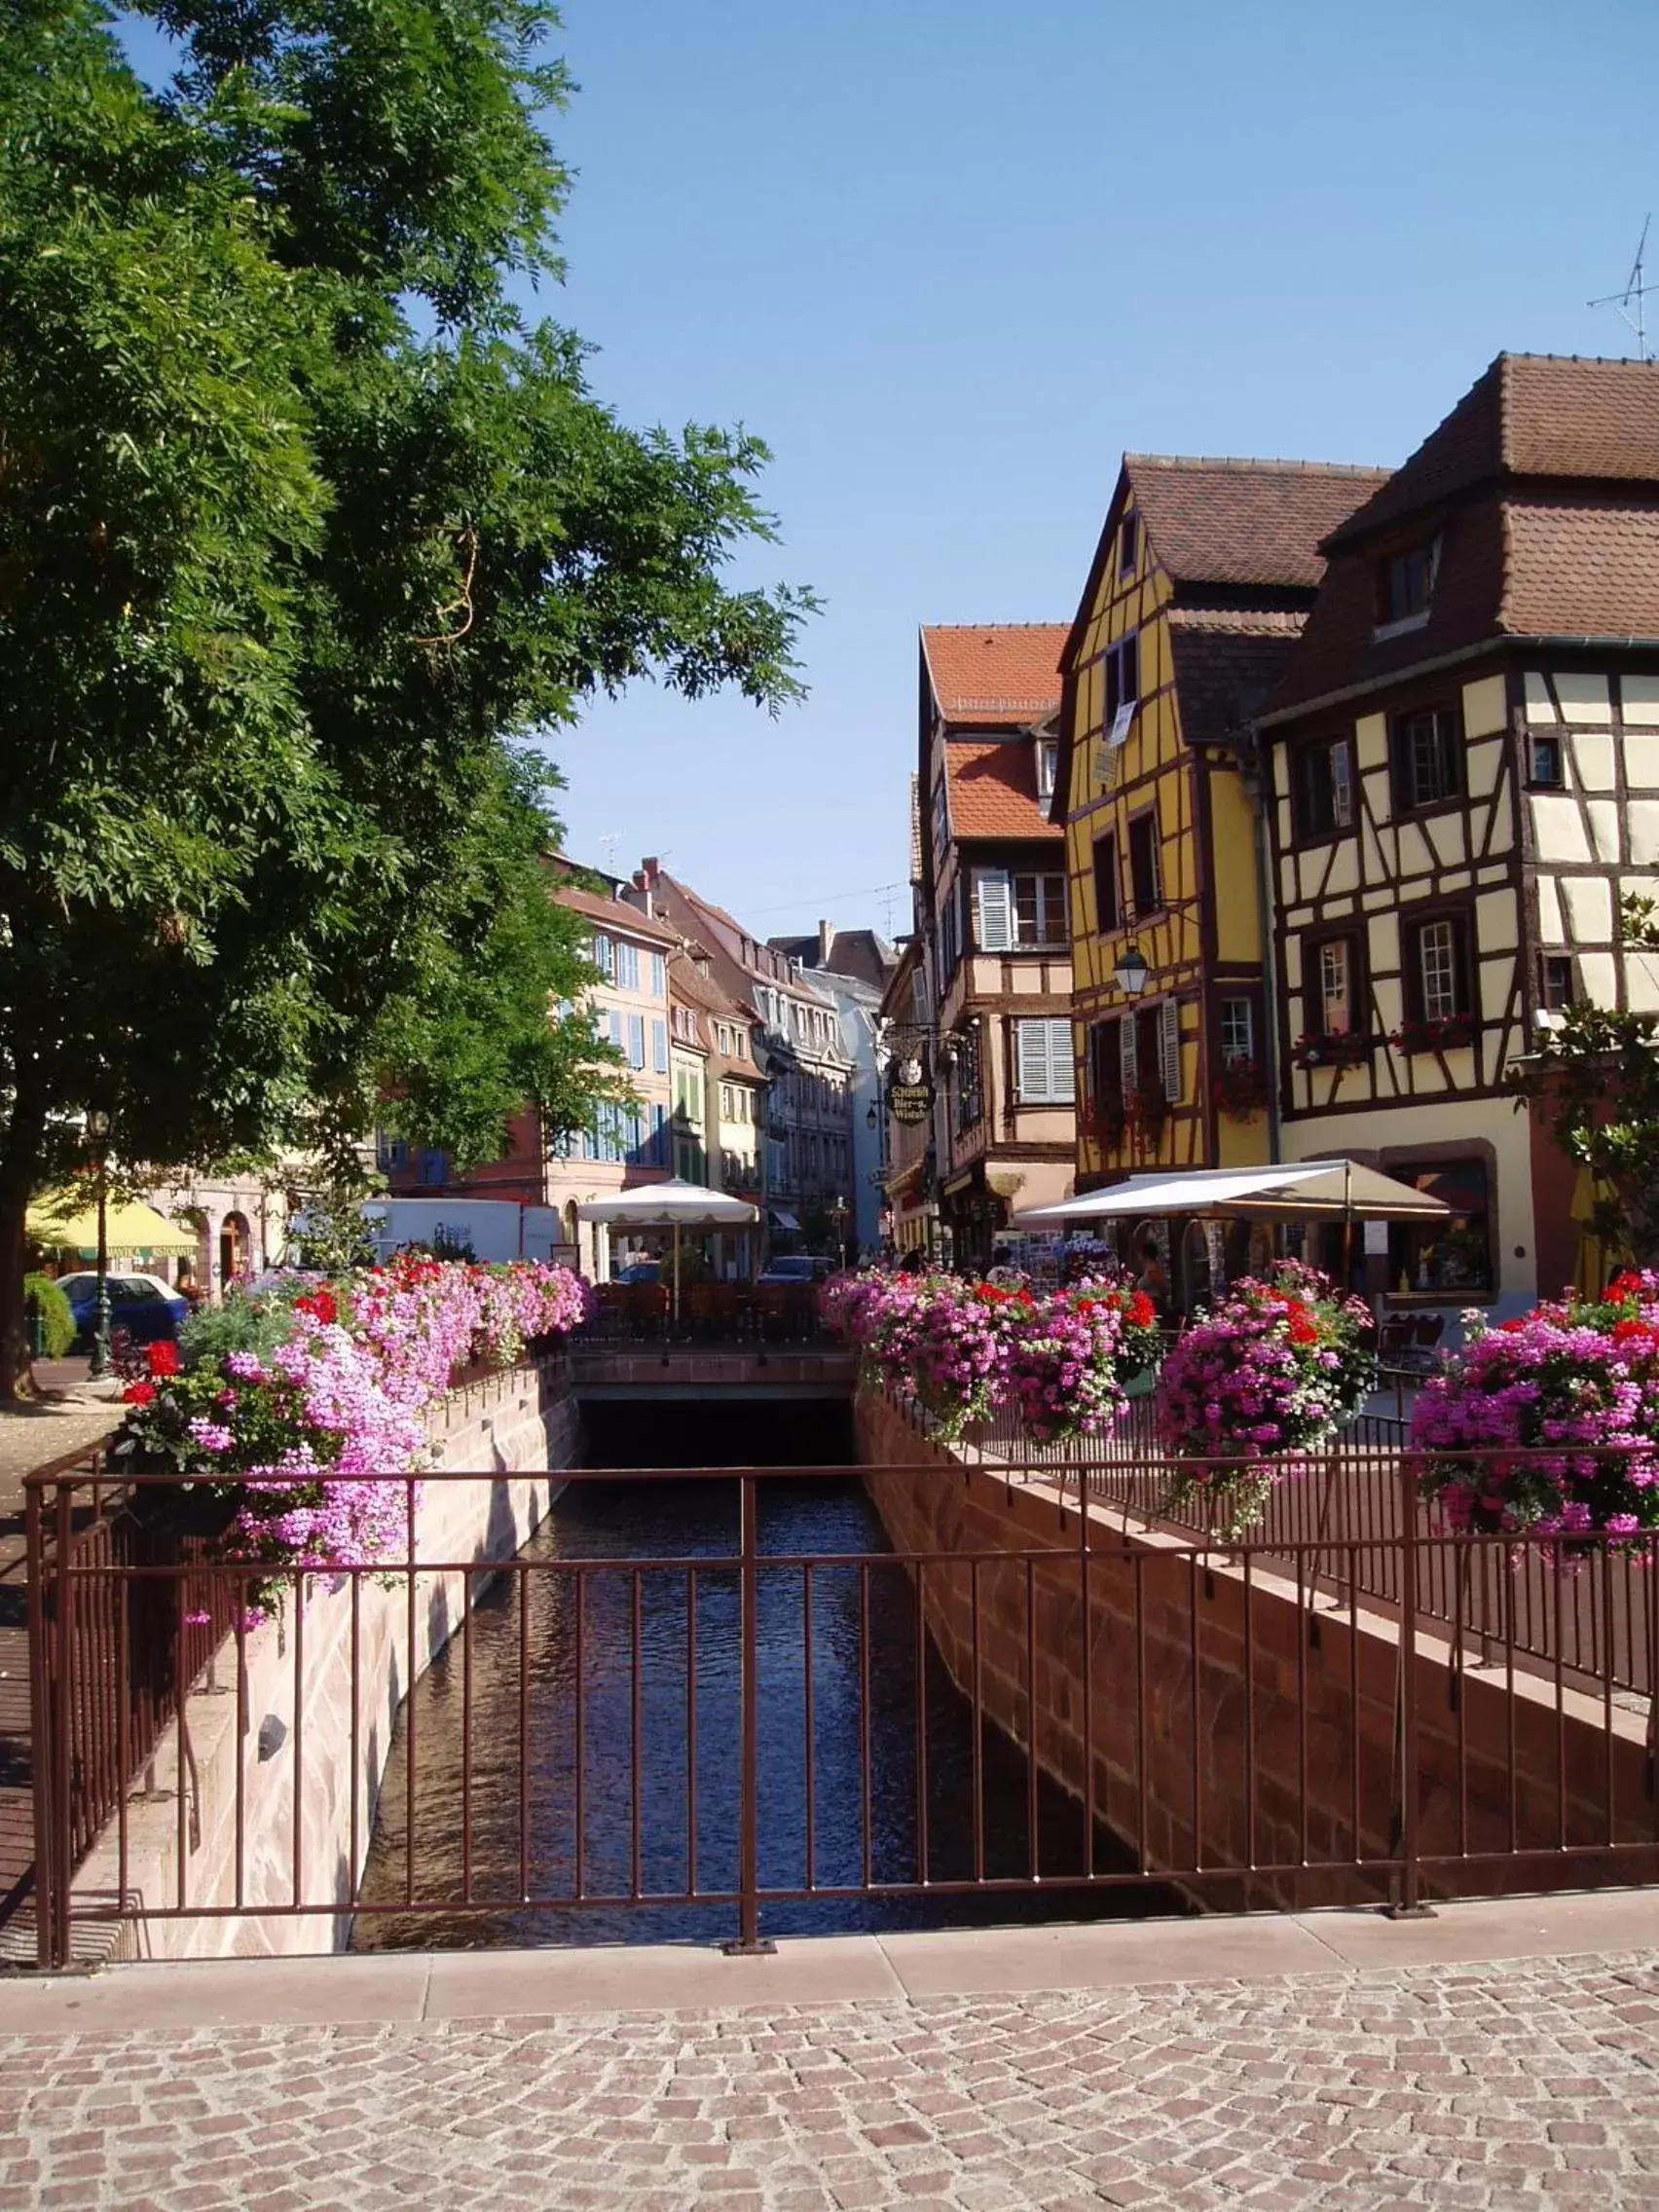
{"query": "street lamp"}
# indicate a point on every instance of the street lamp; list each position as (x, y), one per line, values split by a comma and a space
(97, 1128)
(838, 1221)
(1131, 970)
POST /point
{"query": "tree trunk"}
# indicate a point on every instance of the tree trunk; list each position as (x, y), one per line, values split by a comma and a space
(21, 1165)
(17, 1376)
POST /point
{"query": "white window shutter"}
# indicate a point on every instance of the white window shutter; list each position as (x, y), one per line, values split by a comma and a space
(1170, 1046)
(1062, 1075)
(1031, 1045)
(995, 927)
(1126, 1054)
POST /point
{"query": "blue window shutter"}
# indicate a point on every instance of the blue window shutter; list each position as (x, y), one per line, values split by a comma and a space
(659, 1047)
(637, 1039)
(617, 1027)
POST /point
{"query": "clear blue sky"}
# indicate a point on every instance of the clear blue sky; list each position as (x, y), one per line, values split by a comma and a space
(951, 259)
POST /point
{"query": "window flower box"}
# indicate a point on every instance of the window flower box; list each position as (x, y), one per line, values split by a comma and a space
(1345, 1048)
(1240, 1091)
(1443, 1036)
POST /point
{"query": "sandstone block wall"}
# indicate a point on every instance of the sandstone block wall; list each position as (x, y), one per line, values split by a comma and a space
(283, 1721)
(1225, 1724)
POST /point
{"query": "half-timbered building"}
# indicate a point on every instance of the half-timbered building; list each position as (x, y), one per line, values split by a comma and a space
(1200, 582)
(990, 911)
(1462, 769)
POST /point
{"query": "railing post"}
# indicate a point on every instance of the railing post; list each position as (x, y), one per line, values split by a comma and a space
(749, 1944)
(41, 1737)
(1409, 1904)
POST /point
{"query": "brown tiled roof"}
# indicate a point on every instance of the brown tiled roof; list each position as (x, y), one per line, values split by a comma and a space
(1537, 415)
(1576, 569)
(994, 675)
(1227, 668)
(1243, 522)
(993, 789)
(616, 914)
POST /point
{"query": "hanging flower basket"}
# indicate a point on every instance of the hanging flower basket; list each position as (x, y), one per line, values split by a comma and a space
(1573, 1385)
(1274, 1369)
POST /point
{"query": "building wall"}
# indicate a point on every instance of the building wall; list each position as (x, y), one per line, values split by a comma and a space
(1201, 945)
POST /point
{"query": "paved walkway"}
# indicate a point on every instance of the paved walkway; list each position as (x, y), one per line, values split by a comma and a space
(541, 2080)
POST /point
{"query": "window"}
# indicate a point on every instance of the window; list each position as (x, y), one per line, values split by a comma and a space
(940, 816)
(1238, 1033)
(1039, 910)
(1106, 1061)
(1427, 755)
(1545, 769)
(1405, 583)
(659, 1135)
(1556, 987)
(1043, 1063)
(1323, 797)
(1146, 890)
(659, 1047)
(949, 935)
(1451, 1254)
(1047, 755)
(1108, 904)
(1123, 678)
(604, 953)
(628, 966)
(1334, 987)
(970, 1095)
(659, 976)
(615, 1026)
(1129, 546)
(1438, 981)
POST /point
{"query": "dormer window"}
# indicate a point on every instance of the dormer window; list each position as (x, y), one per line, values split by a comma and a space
(1405, 584)
(1129, 546)
(1048, 751)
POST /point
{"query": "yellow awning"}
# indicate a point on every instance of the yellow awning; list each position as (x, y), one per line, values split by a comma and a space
(66, 1222)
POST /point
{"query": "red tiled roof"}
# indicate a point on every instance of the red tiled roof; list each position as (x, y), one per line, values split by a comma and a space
(994, 675)
(1529, 415)
(1243, 522)
(993, 789)
(616, 914)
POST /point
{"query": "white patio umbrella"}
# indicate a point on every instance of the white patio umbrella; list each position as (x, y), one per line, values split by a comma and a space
(674, 1205)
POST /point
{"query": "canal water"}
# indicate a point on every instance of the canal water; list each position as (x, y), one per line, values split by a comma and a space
(659, 1742)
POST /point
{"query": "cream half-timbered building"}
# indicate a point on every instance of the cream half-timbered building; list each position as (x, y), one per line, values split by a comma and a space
(1463, 766)
(990, 904)
(1200, 582)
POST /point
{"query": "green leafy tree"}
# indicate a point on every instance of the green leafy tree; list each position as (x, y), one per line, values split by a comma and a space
(308, 541)
(1594, 1083)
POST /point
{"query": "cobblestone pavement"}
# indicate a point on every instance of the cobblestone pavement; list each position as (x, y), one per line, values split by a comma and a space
(1487, 2086)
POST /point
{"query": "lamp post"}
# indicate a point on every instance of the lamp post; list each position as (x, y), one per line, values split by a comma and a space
(97, 1128)
(838, 1223)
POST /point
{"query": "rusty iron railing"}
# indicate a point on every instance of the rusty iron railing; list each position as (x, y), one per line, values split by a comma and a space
(1239, 1725)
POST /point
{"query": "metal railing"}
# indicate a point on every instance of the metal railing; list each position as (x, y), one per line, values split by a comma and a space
(712, 1314)
(1234, 1726)
(1362, 1489)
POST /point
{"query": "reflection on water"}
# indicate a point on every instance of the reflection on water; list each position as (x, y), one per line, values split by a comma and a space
(631, 1679)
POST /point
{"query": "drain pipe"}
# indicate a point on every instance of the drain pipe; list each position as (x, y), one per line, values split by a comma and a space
(1255, 781)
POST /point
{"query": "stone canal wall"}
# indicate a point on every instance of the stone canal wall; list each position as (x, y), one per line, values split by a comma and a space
(292, 1728)
(1227, 1725)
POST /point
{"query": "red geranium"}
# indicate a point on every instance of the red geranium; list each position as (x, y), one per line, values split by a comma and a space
(321, 1302)
(139, 1393)
(164, 1358)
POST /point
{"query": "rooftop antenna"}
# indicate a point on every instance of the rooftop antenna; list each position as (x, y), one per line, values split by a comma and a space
(607, 850)
(1633, 296)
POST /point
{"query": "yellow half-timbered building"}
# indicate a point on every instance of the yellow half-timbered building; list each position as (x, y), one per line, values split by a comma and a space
(1463, 768)
(1199, 586)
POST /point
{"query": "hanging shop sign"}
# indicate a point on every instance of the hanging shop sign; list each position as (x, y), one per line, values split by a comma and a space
(909, 1093)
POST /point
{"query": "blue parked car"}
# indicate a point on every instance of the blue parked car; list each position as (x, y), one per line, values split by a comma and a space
(146, 1307)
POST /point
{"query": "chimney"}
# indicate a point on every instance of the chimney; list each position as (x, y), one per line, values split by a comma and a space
(825, 942)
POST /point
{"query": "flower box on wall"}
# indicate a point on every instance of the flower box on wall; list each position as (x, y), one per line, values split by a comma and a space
(1240, 1091)
(1434, 1036)
(1342, 1049)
